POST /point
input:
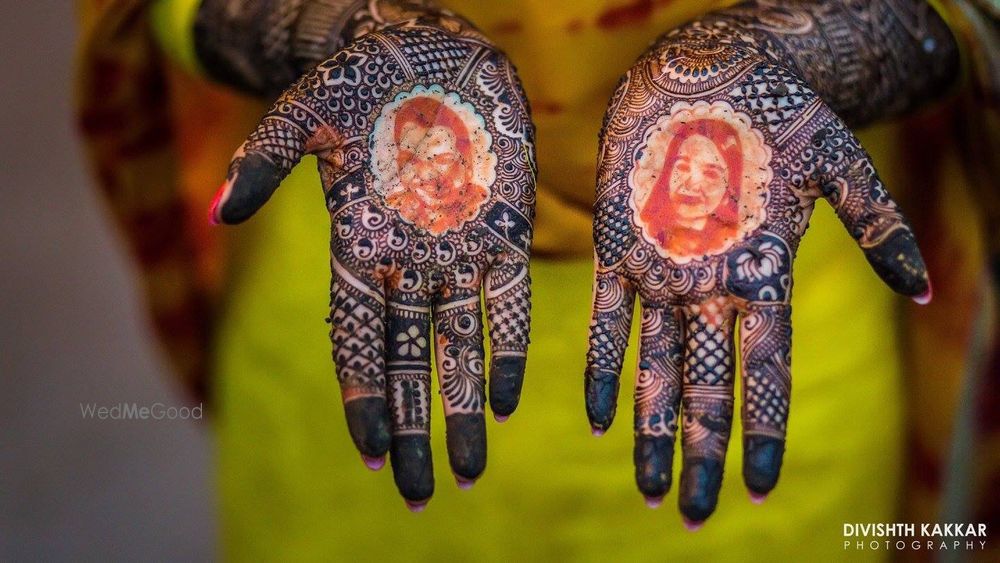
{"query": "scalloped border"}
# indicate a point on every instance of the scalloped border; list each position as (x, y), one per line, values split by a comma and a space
(382, 164)
(756, 152)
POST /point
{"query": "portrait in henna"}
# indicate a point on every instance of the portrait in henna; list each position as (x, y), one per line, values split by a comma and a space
(715, 146)
(426, 156)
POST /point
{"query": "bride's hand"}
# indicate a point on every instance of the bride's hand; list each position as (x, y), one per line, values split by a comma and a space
(426, 156)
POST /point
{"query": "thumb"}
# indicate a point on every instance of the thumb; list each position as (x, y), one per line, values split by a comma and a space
(260, 164)
(850, 183)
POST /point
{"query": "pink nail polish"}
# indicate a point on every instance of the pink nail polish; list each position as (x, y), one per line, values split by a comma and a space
(654, 502)
(463, 483)
(501, 418)
(757, 498)
(596, 431)
(925, 297)
(213, 210)
(693, 526)
(416, 506)
(373, 463)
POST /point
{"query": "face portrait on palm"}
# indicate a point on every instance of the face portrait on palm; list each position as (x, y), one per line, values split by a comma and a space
(438, 170)
(695, 202)
(695, 194)
(429, 163)
(697, 181)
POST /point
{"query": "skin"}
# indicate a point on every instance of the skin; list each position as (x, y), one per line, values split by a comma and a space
(791, 79)
(426, 155)
(697, 182)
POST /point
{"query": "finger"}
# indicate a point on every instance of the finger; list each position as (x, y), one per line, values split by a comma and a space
(508, 309)
(610, 323)
(408, 371)
(765, 341)
(848, 180)
(458, 347)
(285, 134)
(657, 400)
(707, 405)
(357, 314)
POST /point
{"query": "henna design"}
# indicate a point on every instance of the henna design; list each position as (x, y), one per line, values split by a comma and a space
(658, 386)
(614, 300)
(425, 151)
(460, 360)
(765, 339)
(262, 46)
(714, 148)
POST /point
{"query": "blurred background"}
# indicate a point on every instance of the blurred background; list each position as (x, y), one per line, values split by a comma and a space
(886, 423)
(72, 332)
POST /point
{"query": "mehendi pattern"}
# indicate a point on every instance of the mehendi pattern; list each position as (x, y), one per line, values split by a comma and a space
(426, 156)
(715, 146)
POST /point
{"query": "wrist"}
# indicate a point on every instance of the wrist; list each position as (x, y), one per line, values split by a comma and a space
(859, 59)
(327, 26)
(247, 44)
(262, 47)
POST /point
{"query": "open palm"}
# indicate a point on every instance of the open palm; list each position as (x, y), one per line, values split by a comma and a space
(712, 156)
(426, 156)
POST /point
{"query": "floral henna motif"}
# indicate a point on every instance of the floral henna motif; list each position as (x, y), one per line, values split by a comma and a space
(425, 152)
(715, 146)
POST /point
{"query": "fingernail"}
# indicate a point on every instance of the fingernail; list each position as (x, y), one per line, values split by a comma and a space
(213, 210)
(654, 502)
(373, 463)
(416, 506)
(757, 498)
(693, 526)
(925, 297)
(463, 483)
(501, 418)
(596, 431)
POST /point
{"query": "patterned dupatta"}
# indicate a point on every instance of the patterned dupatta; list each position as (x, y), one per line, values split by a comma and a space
(123, 113)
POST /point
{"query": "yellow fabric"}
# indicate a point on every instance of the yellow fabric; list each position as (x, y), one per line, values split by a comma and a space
(173, 24)
(292, 485)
